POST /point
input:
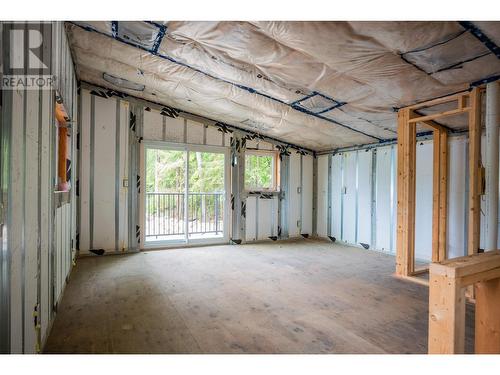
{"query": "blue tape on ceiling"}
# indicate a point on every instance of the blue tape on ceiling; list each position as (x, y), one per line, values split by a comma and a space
(449, 39)
(485, 80)
(304, 98)
(339, 104)
(246, 88)
(474, 30)
(158, 25)
(159, 38)
(468, 26)
(300, 104)
(460, 63)
(114, 28)
(412, 64)
(327, 97)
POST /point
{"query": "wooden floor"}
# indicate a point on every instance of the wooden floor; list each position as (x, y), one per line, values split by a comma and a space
(302, 296)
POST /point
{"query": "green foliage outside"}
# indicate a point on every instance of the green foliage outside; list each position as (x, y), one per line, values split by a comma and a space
(165, 171)
(258, 172)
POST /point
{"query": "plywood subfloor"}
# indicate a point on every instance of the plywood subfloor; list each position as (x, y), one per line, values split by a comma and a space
(302, 296)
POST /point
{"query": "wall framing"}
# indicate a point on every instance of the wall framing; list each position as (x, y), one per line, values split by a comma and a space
(408, 117)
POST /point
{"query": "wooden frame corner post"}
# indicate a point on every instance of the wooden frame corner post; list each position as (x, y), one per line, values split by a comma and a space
(449, 280)
(405, 263)
(440, 195)
(474, 171)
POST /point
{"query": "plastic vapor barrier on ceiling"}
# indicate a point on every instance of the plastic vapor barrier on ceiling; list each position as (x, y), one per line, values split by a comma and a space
(320, 85)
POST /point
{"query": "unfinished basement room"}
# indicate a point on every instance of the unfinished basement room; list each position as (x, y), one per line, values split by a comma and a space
(250, 187)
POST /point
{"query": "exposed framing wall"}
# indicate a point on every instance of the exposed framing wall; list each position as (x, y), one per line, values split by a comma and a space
(469, 103)
(383, 173)
(38, 224)
(153, 122)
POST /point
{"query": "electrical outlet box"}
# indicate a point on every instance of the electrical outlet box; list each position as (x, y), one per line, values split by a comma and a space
(125, 182)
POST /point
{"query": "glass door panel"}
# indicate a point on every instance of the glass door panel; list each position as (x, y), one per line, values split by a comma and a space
(165, 195)
(206, 195)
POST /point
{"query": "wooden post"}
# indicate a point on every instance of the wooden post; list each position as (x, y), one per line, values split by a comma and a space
(448, 282)
(474, 171)
(487, 338)
(436, 177)
(443, 194)
(446, 316)
(405, 251)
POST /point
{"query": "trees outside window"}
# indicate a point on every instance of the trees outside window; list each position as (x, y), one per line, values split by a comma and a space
(260, 171)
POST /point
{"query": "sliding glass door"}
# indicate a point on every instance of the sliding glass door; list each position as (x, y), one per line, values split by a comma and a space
(185, 198)
(206, 195)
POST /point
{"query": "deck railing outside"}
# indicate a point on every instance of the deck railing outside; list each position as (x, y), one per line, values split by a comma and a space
(165, 214)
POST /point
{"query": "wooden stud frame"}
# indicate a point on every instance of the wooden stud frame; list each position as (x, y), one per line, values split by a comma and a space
(448, 280)
(466, 102)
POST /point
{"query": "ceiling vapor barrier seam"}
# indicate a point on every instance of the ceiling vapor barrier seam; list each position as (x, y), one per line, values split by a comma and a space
(295, 105)
(320, 85)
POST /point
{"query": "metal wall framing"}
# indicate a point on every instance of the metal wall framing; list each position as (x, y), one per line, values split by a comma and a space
(35, 245)
(370, 175)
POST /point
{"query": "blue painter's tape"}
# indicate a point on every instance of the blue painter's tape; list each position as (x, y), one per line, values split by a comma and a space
(314, 93)
(159, 38)
(339, 104)
(114, 29)
(158, 25)
(298, 104)
(485, 81)
(474, 30)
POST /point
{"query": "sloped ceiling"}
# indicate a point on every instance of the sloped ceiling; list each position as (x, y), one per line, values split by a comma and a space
(320, 85)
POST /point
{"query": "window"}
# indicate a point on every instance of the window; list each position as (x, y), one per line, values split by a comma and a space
(63, 147)
(261, 171)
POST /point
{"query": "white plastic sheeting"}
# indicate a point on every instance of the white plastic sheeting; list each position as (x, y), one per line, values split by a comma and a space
(423, 201)
(261, 221)
(322, 193)
(158, 127)
(339, 80)
(383, 208)
(261, 218)
(336, 195)
(457, 198)
(364, 204)
(306, 221)
(104, 170)
(482, 243)
(349, 197)
(300, 194)
(62, 245)
(294, 195)
(384, 200)
(40, 224)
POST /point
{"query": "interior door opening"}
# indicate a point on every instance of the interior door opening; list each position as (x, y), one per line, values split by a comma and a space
(185, 197)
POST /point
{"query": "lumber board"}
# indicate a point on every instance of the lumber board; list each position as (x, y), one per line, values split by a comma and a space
(405, 251)
(467, 265)
(443, 195)
(436, 191)
(474, 171)
(433, 102)
(446, 316)
(401, 195)
(487, 316)
(433, 116)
